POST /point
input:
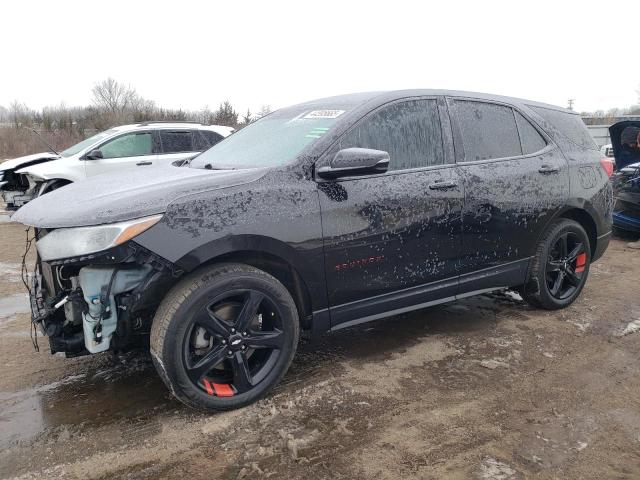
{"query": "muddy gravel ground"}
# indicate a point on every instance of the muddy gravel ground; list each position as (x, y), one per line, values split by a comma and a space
(484, 388)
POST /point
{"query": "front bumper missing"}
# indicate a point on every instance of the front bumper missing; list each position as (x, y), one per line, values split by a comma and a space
(16, 198)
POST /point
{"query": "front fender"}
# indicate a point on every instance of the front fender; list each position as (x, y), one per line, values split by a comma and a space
(277, 216)
(51, 171)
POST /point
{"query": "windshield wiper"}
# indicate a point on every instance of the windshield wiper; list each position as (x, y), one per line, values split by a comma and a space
(209, 166)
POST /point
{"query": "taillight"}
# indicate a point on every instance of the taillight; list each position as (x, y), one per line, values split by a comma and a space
(607, 164)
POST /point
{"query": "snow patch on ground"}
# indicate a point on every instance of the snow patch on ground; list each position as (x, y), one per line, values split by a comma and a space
(493, 363)
(632, 327)
(513, 295)
(493, 469)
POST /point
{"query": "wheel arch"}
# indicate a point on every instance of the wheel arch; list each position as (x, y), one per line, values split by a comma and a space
(47, 184)
(271, 256)
(279, 268)
(585, 219)
(577, 214)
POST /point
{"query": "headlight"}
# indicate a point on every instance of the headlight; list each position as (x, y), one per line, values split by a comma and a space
(73, 242)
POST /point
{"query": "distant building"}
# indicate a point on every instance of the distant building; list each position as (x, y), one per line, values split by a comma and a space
(599, 127)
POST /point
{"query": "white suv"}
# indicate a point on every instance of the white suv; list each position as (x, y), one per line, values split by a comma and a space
(127, 146)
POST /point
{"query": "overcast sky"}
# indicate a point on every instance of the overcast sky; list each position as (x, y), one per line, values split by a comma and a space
(191, 54)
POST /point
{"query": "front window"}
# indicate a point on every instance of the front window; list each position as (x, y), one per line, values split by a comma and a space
(130, 145)
(272, 141)
(78, 147)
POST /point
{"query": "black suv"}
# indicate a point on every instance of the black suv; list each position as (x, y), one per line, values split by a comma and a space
(317, 217)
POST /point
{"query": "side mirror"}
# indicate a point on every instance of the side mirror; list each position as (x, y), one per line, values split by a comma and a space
(94, 155)
(355, 161)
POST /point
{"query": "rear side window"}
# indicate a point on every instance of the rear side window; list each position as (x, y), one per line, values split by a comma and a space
(488, 131)
(205, 139)
(176, 142)
(530, 139)
(569, 125)
(409, 131)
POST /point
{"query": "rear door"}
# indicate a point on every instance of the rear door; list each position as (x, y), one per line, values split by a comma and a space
(515, 180)
(392, 240)
(176, 144)
(125, 151)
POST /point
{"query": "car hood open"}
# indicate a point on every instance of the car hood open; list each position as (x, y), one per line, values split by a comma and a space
(623, 157)
(121, 196)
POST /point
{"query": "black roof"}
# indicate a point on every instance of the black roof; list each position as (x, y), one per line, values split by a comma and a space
(355, 100)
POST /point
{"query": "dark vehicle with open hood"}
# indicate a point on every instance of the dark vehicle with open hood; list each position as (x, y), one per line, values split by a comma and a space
(625, 143)
(318, 217)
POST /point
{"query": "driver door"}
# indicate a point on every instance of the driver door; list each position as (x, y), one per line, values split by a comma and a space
(392, 240)
(130, 150)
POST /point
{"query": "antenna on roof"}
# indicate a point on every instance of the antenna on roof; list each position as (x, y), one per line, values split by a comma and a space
(43, 140)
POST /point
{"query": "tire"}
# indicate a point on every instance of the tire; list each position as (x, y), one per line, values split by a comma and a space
(552, 266)
(195, 327)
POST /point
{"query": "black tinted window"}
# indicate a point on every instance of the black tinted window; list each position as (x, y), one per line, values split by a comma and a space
(175, 142)
(488, 130)
(530, 139)
(205, 139)
(569, 125)
(409, 131)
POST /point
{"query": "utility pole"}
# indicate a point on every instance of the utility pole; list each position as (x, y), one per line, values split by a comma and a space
(571, 101)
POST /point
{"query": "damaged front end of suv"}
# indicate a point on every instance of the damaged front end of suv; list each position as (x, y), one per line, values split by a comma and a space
(94, 289)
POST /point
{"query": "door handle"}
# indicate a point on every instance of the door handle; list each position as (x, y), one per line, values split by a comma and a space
(442, 185)
(548, 169)
(144, 163)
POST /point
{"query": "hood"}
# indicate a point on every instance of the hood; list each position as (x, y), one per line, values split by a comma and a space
(120, 196)
(27, 160)
(623, 136)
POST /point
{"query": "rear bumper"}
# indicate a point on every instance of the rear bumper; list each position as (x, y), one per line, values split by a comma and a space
(601, 246)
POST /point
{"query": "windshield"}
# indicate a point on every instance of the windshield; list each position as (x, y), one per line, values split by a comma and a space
(78, 147)
(272, 141)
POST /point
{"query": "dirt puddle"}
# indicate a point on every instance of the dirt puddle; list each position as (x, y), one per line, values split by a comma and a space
(129, 390)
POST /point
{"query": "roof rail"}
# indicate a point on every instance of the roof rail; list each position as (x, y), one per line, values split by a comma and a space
(151, 122)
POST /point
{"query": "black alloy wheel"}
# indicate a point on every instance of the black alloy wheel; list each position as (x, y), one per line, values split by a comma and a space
(224, 335)
(233, 342)
(559, 267)
(566, 263)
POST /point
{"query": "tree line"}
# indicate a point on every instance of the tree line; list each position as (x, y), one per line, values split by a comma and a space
(113, 103)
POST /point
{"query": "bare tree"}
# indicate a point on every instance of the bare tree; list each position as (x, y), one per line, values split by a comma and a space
(20, 114)
(114, 97)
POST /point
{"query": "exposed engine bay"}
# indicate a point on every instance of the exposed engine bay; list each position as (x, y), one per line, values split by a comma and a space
(98, 302)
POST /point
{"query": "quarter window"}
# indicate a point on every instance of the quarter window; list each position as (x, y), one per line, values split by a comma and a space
(131, 145)
(488, 131)
(205, 139)
(176, 142)
(530, 139)
(409, 131)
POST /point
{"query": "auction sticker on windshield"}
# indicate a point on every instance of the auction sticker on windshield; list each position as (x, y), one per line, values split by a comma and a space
(324, 114)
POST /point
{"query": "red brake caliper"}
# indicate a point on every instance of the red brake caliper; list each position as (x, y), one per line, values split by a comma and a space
(581, 261)
(218, 389)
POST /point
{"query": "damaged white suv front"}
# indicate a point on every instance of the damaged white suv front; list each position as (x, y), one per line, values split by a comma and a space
(119, 148)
